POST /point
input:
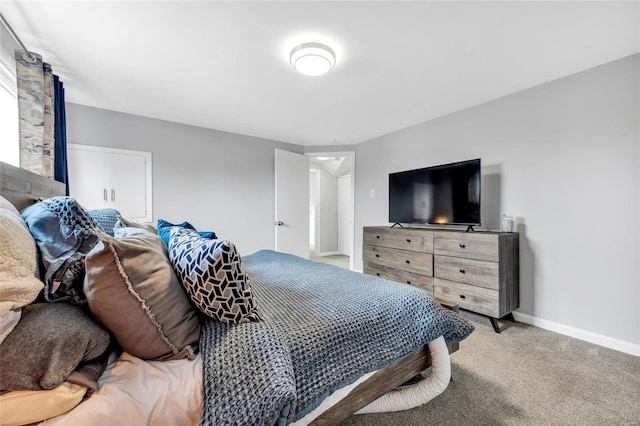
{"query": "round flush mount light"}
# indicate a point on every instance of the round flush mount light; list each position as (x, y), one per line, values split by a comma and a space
(312, 58)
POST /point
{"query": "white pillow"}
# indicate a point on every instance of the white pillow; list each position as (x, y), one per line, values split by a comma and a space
(8, 321)
(19, 284)
(27, 407)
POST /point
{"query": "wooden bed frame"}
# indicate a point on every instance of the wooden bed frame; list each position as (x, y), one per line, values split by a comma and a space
(22, 188)
(377, 385)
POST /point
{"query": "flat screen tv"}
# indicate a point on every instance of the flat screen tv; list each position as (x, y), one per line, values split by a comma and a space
(448, 194)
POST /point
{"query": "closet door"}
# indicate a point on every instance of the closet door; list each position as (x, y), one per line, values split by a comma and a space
(126, 183)
(102, 177)
(88, 177)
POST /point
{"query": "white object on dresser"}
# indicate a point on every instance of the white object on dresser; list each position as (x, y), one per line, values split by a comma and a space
(506, 223)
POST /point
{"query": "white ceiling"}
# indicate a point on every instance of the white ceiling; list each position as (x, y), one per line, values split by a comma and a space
(224, 65)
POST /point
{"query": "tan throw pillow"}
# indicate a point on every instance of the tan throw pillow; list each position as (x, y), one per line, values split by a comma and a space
(132, 290)
(26, 407)
(19, 285)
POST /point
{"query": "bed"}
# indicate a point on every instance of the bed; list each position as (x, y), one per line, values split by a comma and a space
(309, 374)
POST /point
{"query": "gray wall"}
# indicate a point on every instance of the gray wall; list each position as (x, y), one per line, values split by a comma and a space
(215, 180)
(327, 216)
(563, 158)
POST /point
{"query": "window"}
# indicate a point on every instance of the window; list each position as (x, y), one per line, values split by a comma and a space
(9, 133)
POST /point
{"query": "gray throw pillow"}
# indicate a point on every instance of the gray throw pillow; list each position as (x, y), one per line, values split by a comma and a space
(212, 273)
(133, 291)
(47, 344)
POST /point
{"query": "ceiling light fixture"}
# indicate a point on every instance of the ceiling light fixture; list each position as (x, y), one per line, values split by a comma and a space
(312, 58)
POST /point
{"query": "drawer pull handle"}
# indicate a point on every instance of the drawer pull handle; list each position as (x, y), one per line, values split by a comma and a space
(462, 245)
(462, 296)
(407, 261)
(377, 274)
(408, 240)
(409, 282)
(377, 255)
(378, 236)
(462, 271)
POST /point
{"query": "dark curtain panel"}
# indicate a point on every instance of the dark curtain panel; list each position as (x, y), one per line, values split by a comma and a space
(60, 134)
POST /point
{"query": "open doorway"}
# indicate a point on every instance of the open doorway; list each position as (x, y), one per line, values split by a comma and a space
(331, 179)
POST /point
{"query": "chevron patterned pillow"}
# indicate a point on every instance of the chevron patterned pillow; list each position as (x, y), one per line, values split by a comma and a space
(212, 273)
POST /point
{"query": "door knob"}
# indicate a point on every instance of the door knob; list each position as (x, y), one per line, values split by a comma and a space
(279, 223)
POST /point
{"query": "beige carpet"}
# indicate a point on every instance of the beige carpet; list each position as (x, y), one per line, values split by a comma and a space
(338, 260)
(528, 376)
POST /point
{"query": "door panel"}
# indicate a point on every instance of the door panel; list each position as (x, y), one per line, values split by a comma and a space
(128, 184)
(87, 178)
(345, 223)
(292, 203)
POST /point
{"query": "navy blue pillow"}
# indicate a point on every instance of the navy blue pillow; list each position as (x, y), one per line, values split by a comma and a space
(164, 230)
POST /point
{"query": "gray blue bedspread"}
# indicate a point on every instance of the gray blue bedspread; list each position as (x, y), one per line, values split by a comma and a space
(322, 327)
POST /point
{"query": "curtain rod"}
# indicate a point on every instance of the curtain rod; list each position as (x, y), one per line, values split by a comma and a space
(28, 57)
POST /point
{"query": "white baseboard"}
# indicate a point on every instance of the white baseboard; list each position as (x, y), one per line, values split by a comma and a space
(329, 253)
(598, 339)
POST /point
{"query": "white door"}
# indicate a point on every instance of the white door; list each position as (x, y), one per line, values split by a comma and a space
(313, 211)
(88, 177)
(127, 184)
(292, 203)
(344, 215)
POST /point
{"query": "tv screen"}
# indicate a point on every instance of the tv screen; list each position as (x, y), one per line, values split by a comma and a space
(448, 194)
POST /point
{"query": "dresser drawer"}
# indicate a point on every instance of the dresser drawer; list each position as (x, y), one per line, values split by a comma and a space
(476, 272)
(410, 261)
(403, 239)
(476, 299)
(421, 281)
(469, 245)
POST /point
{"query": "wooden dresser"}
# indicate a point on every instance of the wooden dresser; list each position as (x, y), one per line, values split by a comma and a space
(399, 254)
(476, 270)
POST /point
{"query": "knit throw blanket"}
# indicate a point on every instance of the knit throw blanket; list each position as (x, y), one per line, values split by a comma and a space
(64, 233)
(322, 328)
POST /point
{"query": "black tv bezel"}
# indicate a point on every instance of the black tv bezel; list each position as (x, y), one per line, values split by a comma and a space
(446, 165)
